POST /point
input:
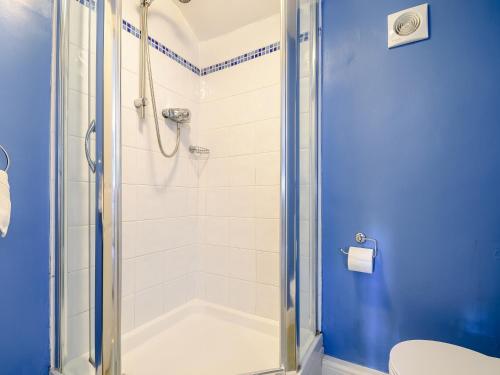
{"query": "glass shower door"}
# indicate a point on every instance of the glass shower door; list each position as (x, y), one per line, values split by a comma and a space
(299, 180)
(307, 175)
(76, 188)
(86, 188)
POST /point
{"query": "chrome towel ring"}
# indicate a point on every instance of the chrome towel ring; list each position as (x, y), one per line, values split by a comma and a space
(6, 158)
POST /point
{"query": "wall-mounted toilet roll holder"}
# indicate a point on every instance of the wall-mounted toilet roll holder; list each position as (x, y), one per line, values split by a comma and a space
(361, 238)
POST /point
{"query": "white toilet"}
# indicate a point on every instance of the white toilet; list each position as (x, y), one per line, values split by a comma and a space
(419, 357)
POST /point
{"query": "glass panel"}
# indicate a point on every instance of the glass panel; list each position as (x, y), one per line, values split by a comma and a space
(307, 173)
(77, 49)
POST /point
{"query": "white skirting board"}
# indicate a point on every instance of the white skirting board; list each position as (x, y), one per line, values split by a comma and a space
(334, 366)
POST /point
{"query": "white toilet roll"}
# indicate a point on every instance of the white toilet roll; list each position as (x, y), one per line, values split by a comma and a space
(360, 259)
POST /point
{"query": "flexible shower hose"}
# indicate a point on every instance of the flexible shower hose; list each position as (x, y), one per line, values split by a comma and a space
(152, 90)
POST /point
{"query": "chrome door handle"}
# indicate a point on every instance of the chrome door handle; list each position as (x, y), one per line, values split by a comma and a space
(90, 130)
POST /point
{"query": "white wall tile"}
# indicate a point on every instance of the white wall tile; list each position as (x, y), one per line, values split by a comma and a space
(242, 201)
(267, 170)
(149, 304)
(215, 259)
(129, 239)
(218, 202)
(267, 202)
(78, 292)
(242, 295)
(176, 202)
(129, 165)
(79, 120)
(305, 268)
(77, 163)
(79, 25)
(268, 301)
(78, 335)
(151, 236)
(268, 268)
(242, 170)
(129, 202)
(130, 52)
(177, 263)
(78, 248)
(251, 75)
(128, 313)
(268, 133)
(243, 264)
(242, 233)
(244, 39)
(216, 173)
(128, 277)
(243, 140)
(78, 204)
(176, 293)
(149, 271)
(217, 289)
(267, 234)
(217, 230)
(78, 73)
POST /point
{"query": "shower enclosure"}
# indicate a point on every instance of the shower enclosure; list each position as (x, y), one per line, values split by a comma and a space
(203, 260)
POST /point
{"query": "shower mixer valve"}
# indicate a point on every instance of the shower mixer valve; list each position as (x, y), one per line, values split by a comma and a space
(178, 115)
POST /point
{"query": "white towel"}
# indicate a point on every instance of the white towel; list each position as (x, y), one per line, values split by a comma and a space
(4, 203)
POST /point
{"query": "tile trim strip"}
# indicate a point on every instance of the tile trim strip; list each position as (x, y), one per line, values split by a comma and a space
(266, 50)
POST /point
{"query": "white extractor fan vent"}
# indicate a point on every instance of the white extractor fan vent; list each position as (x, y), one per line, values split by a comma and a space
(407, 26)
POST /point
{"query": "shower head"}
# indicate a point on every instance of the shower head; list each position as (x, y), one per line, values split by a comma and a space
(184, 1)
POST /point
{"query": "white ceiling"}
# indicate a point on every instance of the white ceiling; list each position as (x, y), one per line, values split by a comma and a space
(211, 18)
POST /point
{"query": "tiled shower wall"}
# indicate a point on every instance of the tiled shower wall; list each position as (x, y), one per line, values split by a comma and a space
(159, 195)
(239, 185)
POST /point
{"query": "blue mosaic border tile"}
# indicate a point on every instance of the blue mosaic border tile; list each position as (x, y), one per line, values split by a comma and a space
(241, 59)
(266, 50)
(127, 26)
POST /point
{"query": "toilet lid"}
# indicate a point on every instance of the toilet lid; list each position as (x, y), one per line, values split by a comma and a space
(419, 357)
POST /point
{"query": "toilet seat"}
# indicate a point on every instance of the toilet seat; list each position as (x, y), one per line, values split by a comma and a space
(419, 357)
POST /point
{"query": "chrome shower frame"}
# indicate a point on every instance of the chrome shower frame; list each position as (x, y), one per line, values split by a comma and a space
(291, 359)
(108, 176)
(107, 359)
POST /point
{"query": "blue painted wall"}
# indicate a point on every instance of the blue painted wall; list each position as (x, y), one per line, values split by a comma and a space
(411, 156)
(25, 45)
